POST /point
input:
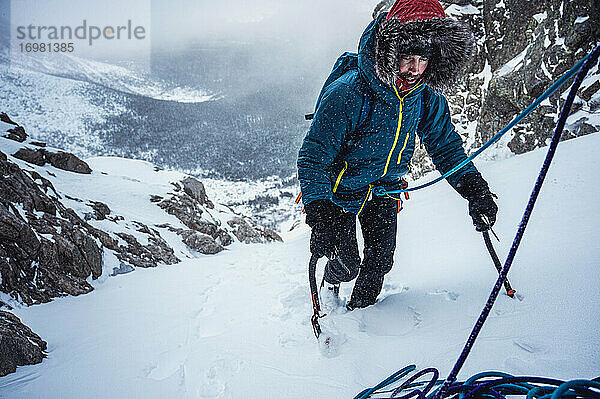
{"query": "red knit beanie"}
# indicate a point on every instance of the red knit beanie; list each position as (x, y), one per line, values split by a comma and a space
(416, 10)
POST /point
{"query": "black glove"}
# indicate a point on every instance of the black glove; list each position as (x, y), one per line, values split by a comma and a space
(482, 207)
(320, 216)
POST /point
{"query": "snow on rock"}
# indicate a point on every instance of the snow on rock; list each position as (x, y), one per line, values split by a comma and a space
(19, 346)
(65, 230)
(238, 324)
(156, 203)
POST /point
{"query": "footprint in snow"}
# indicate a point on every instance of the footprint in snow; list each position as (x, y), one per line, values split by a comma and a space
(449, 295)
(529, 347)
(417, 316)
(390, 317)
(169, 363)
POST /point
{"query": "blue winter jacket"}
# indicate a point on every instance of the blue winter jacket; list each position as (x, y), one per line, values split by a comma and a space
(344, 162)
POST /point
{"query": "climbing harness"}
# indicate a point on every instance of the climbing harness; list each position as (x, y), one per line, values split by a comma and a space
(503, 384)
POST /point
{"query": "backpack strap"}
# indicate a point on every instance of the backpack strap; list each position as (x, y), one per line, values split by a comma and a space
(366, 108)
(364, 111)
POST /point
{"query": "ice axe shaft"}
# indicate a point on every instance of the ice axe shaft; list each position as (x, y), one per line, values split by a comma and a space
(488, 243)
(312, 267)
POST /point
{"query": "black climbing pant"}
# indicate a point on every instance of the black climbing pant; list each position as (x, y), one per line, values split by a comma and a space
(378, 227)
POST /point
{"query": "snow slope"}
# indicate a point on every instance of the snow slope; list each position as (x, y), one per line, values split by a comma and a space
(236, 325)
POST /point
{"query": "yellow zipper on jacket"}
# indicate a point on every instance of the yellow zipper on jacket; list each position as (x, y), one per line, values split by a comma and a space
(339, 178)
(387, 164)
(365, 200)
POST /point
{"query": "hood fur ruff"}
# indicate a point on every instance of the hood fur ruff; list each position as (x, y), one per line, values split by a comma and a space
(452, 41)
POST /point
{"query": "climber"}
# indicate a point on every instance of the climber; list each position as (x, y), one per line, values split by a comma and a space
(363, 137)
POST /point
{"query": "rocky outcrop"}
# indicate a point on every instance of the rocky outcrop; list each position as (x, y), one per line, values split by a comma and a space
(189, 203)
(19, 346)
(528, 47)
(150, 255)
(16, 133)
(60, 160)
(196, 190)
(101, 210)
(202, 243)
(250, 233)
(46, 250)
(523, 49)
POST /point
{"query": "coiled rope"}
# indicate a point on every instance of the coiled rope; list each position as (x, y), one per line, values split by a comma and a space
(503, 384)
(489, 384)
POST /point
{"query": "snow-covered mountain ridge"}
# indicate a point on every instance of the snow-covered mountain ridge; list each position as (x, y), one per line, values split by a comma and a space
(107, 75)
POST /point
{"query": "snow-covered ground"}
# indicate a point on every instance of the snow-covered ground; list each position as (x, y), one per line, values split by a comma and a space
(236, 325)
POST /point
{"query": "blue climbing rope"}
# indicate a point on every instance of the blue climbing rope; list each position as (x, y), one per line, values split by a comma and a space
(569, 74)
(489, 384)
(505, 384)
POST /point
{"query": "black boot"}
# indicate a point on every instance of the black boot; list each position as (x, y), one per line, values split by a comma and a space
(366, 289)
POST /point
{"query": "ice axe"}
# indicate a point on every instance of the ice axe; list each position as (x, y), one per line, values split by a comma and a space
(314, 320)
(488, 243)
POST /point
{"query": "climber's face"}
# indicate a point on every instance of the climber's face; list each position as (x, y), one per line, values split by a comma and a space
(412, 67)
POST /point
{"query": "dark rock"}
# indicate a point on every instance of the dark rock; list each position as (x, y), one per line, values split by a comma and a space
(269, 234)
(101, 210)
(123, 268)
(195, 189)
(60, 160)
(35, 270)
(187, 206)
(244, 232)
(67, 161)
(157, 250)
(45, 183)
(201, 242)
(37, 143)
(73, 198)
(19, 346)
(590, 91)
(155, 198)
(184, 208)
(16, 134)
(550, 43)
(222, 237)
(251, 233)
(36, 157)
(6, 119)
(86, 257)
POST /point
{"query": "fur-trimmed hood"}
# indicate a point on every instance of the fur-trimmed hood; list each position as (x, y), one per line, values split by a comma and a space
(452, 43)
